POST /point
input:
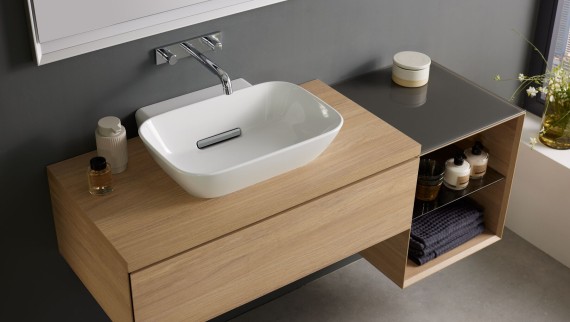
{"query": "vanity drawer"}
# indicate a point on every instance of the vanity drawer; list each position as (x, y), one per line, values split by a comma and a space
(232, 270)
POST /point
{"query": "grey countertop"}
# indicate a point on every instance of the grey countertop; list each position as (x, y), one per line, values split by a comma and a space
(444, 111)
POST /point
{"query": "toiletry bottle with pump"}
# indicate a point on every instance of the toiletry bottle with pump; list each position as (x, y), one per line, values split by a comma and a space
(457, 172)
(111, 139)
(99, 176)
(478, 159)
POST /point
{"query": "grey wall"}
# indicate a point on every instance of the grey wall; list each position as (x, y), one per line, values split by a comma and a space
(48, 113)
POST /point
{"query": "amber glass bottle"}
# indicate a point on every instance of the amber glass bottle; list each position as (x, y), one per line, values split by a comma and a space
(99, 176)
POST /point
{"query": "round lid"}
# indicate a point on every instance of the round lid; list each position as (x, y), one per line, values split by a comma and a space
(476, 150)
(458, 160)
(109, 126)
(412, 60)
(98, 163)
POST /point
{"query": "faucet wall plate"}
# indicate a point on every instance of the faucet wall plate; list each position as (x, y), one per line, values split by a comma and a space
(172, 53)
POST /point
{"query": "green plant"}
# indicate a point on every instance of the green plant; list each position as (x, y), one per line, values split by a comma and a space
(554, 85)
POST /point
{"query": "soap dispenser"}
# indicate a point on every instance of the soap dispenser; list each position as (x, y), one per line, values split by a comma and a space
(457, 172)
(478, 160)
(111, 139)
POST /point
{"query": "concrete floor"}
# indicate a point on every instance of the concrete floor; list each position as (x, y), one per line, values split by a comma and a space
(508, 281)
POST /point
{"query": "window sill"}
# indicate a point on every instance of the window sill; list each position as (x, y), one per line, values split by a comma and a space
(531, 128)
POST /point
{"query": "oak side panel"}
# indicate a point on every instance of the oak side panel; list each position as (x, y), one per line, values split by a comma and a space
(390, 257)
(90, 255)
(504, 142)
(230, 271)
(149, 217)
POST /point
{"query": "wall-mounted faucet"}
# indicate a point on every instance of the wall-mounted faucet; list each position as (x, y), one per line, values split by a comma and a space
(195, 48)
(210, 65)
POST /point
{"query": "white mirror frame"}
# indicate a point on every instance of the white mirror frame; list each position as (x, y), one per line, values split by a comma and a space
(58, 49)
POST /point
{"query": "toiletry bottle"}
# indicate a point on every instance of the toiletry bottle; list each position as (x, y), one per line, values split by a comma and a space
(478, 160)
(111, 139)
(457, 172)
(99, 176)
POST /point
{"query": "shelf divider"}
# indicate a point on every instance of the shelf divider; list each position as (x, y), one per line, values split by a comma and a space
(447, 196)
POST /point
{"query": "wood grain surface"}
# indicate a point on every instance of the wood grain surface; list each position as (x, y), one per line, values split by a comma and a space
(149, 218)
(91, 256)
(230, 271)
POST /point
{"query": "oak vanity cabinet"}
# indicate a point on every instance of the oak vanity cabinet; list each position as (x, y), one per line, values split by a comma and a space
(66, 28)
(151, 252)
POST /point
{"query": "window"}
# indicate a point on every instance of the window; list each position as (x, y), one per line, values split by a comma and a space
(559, 47)
(551, 38)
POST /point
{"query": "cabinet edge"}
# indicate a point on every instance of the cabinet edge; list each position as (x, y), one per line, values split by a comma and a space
(90, 255)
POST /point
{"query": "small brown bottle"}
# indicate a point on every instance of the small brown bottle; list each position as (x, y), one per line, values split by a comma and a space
(99, 176)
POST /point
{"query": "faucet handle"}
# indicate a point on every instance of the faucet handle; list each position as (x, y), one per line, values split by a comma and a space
(188, 48)
(212, 42)
(164, 55)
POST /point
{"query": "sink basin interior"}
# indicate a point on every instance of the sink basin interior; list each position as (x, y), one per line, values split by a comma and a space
(277, 119)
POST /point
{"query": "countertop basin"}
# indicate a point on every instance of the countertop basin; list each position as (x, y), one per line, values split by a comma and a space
(274, 127)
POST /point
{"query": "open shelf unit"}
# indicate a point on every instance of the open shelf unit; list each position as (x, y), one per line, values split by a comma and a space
(501, 140)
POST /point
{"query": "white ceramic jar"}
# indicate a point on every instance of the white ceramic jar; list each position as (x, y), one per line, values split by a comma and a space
(410, 69)
(478, 159)
(111, 139)
(457, 172)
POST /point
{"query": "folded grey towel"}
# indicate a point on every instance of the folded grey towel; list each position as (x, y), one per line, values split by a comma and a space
(420, 249)
(420, 260)
(430, 229)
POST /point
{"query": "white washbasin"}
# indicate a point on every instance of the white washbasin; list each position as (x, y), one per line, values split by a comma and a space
(282, 127)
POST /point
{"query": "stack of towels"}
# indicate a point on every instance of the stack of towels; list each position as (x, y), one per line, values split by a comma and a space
(444, 229)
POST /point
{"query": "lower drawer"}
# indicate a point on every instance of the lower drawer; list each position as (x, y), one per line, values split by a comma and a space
(235, 269)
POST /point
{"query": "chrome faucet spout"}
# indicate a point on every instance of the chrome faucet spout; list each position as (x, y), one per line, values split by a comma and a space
(211, 66)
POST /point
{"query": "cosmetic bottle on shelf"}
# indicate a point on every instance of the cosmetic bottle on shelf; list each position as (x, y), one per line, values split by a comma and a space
(478, 160)
(457, 172)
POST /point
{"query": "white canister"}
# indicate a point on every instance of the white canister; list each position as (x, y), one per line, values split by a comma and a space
(457, 172)
(478, 160)
(111, 139)
(410, 69)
